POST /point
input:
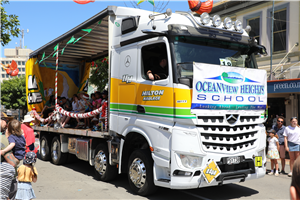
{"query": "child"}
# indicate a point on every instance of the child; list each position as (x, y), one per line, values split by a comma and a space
(88, 108)
(16, 140)
(97, 101)
(27, 173)
(273, 151)
(95, 124)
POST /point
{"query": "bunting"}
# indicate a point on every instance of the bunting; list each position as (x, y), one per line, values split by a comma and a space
(72, 40)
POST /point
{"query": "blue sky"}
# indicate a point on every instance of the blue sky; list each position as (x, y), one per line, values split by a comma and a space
(46, 20)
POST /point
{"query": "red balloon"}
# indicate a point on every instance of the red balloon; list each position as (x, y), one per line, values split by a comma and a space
(83, 1)
(13, 65)
(12, 72)
(200, 7)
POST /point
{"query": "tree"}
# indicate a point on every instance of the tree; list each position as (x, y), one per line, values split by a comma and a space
(13, 93)
(99, 71)
(9, 25)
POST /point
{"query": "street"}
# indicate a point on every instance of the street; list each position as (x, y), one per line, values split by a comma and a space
(76, 181)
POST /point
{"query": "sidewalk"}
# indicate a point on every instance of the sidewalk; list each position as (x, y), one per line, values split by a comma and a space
(287, 161)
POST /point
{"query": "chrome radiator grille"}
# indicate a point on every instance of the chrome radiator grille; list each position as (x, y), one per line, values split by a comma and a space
(218, 134)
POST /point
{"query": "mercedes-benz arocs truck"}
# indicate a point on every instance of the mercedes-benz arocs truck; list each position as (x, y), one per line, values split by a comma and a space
(198, 124)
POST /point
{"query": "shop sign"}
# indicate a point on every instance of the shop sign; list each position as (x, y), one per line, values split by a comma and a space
(287, 86)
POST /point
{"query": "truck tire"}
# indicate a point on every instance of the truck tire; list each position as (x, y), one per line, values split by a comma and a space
(56, 155)
(44, 148)
(140, 172)
(103, 170)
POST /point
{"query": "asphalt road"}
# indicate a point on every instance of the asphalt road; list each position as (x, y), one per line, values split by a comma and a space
(76, 181)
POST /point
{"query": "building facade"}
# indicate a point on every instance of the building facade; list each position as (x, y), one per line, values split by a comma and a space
(19, 55)
(284, 72)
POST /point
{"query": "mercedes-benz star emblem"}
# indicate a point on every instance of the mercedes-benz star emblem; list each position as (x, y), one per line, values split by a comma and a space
(231, 118)
(127, 61)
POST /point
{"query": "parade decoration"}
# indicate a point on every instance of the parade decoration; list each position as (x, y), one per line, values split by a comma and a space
(11, 69)
(73, 40)
(201, 7)
(150, 1)
(83, 1)
(157, 6)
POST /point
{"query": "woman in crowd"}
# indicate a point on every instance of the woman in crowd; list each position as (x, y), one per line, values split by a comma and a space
(295, 186)
(292, 141)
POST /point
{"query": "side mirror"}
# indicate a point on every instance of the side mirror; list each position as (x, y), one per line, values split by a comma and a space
(186, 81)
(257, 49)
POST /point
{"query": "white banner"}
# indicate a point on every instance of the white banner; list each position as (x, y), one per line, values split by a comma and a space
(218, 87)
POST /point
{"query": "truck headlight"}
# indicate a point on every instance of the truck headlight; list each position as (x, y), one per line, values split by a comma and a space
(205, 18)
(190, 162)
(216, 20)
(238, 25)
(227, 23)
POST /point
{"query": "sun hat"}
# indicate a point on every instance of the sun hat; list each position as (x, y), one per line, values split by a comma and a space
(3, 117)
(271, 131)
(86, 96)
(28, 118)
(30, 157)
(95, 119)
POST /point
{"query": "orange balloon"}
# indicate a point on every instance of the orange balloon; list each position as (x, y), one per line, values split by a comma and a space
(13, 65)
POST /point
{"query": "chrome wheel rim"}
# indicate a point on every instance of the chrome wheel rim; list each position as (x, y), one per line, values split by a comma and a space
(100, 162)
(43, 148)
(55, 150)
(137, 173)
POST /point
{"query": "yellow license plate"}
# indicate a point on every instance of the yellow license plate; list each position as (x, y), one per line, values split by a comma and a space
(258, 161)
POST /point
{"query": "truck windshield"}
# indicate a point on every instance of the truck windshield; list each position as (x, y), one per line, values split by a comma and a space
(210, 51)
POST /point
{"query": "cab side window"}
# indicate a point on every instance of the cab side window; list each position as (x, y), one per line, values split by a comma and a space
(154, 62)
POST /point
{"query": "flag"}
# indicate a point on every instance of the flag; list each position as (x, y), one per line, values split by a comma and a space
(150, 1)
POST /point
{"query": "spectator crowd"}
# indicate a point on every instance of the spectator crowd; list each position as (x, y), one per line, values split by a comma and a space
(18, 154)
(283, 139)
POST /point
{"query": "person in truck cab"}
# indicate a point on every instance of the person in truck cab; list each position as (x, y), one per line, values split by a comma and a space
(160, 71)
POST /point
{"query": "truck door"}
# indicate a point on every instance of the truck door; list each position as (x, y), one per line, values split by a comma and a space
(155, 97)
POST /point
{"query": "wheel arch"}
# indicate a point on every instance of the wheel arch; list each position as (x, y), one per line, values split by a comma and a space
(134, 139)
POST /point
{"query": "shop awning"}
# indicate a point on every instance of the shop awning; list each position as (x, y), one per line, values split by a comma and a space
(90, 47)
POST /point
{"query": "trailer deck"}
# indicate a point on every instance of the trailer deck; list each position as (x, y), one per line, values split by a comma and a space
(73, 131)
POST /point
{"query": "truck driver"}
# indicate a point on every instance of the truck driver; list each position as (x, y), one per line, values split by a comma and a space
(160, 71)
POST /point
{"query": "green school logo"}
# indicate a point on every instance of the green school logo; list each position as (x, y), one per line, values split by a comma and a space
(232, 77)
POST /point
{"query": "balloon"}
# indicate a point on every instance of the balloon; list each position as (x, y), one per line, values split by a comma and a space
(83, 1)
(11, 69)
(201, 7)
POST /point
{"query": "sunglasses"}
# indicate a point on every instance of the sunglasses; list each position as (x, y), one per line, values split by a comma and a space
(280, 121)
(293, 118)
(4, 119)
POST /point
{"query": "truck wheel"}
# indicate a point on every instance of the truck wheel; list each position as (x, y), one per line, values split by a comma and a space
(140, 172)
(103, 170)
(57, 156)
(44, 148)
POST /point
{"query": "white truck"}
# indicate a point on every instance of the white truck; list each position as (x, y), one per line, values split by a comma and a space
(199, 124)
